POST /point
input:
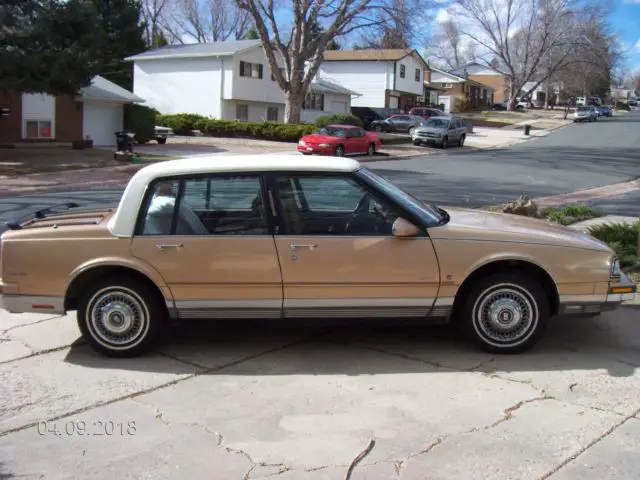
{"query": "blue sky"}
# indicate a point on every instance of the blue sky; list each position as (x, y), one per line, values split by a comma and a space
(626, 20)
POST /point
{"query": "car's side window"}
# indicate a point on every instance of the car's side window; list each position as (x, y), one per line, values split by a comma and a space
(216, 205)
(331, 205)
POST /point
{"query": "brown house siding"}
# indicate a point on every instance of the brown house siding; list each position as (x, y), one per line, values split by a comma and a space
(11, 126)
(497, 82)
(68, 119)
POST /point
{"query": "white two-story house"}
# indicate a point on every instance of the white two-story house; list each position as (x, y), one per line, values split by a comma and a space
(385, 78)
(225, 80)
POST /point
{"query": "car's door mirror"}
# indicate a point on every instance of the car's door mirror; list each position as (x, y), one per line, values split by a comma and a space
(404, 228)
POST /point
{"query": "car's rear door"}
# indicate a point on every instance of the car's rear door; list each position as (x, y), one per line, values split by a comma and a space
(217, 255)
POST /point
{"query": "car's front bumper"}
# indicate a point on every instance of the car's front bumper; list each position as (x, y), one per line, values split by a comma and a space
(315, 149)
(619, 291)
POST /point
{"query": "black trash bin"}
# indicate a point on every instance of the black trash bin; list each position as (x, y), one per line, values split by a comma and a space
(527, 129)
(124, 141)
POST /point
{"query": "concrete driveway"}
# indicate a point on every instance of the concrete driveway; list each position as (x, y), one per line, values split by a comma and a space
(303, 400)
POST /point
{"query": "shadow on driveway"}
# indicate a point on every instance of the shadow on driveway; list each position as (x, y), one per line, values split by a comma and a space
(371, 347)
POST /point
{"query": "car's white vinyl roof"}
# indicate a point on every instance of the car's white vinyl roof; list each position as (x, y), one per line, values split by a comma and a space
(122, 223)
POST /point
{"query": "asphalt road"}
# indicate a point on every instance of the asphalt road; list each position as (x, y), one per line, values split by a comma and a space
(573, 158)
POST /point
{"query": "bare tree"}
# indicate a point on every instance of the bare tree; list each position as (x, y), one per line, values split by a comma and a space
(292, 48)
(448, 49)
(153, 16)
(531, 38)
(205, 21)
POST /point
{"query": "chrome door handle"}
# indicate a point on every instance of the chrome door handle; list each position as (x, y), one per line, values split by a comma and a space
(163, 247)
(310, 246)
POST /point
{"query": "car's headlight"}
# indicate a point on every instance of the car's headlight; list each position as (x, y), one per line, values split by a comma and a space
(615, 267)
(301, 142)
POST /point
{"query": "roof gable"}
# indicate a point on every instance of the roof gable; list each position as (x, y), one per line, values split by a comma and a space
(195, 50)
(102, 89)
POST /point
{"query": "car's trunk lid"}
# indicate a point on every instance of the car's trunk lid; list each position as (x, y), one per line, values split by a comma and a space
(63, 215)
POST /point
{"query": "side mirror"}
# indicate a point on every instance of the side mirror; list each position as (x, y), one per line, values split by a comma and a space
(404, 228)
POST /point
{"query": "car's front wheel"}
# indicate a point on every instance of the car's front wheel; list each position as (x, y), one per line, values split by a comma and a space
(161, 140)
(339, 152)
(411, 131)
(461, 141)
(445, 143)
(119, 317)
(378, 128)
(505, 313)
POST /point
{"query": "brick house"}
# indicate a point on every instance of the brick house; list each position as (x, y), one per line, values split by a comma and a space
(454, 86)
(96, 112)
(487, 76)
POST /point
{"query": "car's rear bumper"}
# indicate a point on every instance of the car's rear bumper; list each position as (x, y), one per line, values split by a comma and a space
(32, 304)
(13, 302)
(621, 291)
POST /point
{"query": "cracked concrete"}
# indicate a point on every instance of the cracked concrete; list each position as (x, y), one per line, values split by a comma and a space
(289, 401)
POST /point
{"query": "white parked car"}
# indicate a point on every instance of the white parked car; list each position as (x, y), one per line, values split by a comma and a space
(162, 133)
(585, 114)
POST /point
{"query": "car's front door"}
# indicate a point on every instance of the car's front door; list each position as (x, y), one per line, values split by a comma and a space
(338, 255)
(400, 123)
(215, 250)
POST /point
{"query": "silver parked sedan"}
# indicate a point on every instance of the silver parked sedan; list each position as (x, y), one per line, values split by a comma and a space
(585, 114)
(443, 131)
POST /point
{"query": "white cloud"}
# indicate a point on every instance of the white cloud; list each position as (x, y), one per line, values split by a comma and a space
(442, 16)
(637, 46)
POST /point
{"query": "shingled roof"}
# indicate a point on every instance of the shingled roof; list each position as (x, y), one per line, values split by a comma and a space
(367, 54)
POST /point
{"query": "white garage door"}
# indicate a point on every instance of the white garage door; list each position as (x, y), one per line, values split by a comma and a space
(446, 101)
(101, 121)
(339, 107)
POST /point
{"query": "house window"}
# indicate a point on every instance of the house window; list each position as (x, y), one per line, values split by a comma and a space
(314, 101)
(447, 85)
(402, 71)
(273, 78)
(272, 114)
(242, 112)
(417, 74)
(38, 129)
(252, 70)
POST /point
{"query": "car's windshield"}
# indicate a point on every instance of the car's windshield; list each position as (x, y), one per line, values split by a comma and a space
(428, 213)
(437, 123)
(332, 132)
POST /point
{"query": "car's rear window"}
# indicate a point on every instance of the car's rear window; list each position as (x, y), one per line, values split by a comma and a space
(437, 122)
(583, 109)
(333, 132)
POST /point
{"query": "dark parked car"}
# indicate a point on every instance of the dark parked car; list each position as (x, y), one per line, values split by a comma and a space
(397, 123)
(426, 112)
(605, 111)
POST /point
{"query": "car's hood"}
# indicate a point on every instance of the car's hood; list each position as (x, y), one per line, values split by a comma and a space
(315, 138)
(481, 225)
(429, 129)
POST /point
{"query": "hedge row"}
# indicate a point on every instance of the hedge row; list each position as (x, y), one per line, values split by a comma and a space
(183, 123)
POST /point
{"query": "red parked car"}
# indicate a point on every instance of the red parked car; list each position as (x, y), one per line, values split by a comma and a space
(340, 140)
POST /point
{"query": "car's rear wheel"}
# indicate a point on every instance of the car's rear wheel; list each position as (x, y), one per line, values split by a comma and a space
(461, 141)
(371, 151)
(120, 317)
(339, 152)
(505, 313)
(445, 143)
